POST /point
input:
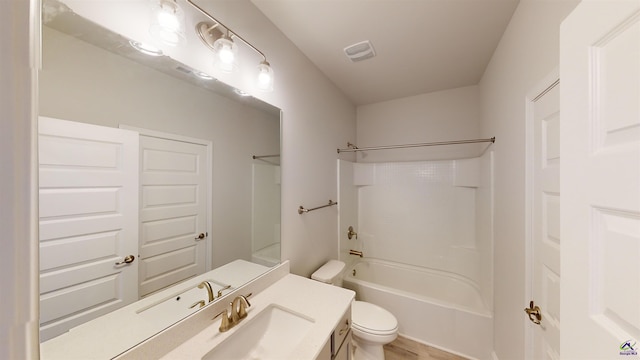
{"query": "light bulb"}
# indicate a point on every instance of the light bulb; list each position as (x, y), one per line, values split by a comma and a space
(225, 54)
(167, 22)
(265, 77)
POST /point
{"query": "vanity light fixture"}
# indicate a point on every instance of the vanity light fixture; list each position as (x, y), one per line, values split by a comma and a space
(146, 48)
(167, 22)
(220, 39)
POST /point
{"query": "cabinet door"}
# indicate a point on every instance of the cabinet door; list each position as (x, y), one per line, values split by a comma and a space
(344, 353)
(341, 332)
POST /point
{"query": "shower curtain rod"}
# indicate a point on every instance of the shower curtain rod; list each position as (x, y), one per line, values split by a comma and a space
(356, 149)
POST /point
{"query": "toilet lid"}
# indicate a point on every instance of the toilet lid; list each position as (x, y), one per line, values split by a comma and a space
(372, 318)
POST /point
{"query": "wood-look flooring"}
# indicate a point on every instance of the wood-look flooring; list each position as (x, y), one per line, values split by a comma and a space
(405, 349)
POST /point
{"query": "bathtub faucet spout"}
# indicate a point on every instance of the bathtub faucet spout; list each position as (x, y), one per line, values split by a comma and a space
(355, 252)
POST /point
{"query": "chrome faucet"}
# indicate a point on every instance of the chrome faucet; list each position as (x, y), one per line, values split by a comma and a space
(239, 307)
(209, 289)
(201, 303)
(351, 233)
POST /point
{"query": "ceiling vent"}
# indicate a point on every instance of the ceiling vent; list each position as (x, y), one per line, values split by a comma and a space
(360, 51)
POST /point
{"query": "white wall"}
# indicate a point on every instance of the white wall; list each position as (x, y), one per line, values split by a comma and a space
(80, 82)
(438, 116)
(18, 186)
(528, 51)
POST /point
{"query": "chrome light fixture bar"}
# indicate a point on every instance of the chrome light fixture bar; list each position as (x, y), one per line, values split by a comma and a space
(221, 43)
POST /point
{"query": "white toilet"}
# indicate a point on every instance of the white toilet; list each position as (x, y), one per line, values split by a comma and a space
(371, 325)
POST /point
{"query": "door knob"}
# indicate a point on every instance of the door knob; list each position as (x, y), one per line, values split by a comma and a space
(202, 236)
(127, 260)
(534, 313)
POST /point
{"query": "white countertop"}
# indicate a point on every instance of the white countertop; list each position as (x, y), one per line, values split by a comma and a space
(323, 303)
(113, 333)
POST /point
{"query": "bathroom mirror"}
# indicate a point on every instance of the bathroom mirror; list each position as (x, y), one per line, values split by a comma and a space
(91, 75)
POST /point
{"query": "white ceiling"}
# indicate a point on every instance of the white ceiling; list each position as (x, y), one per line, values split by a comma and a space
(421, 45)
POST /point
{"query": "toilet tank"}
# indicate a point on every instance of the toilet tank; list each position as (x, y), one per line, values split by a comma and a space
(330, 273)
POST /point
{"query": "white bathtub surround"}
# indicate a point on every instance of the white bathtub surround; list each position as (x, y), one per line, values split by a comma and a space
(420, 213)
(431, 214)
(265, 212)
(193, 338)
(436, 308)
(267, 256)
(426, 231)
(439, 287)
(348, 210)
(484, 226)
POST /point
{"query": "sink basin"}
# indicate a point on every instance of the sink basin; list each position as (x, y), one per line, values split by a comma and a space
(273, 334)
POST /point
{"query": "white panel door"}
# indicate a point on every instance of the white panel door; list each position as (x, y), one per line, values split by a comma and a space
(173, 212)
(600, 181)
(88, 222)
(546, 222)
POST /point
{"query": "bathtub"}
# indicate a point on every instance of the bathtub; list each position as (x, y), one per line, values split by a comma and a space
(433, 307)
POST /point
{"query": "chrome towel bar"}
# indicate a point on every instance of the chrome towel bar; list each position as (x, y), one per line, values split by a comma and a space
(302, 210)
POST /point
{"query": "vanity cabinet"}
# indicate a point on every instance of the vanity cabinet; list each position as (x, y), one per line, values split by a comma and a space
(344, 351)
(319, 314)
(341, 338)
(339, 345)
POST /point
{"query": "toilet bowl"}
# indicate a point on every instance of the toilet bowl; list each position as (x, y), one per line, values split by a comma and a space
(371, 325)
